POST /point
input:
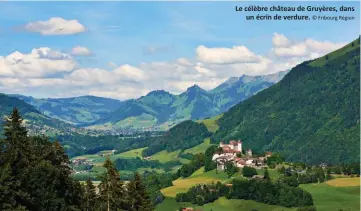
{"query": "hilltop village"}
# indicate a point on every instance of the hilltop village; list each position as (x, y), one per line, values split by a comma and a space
(232, 152)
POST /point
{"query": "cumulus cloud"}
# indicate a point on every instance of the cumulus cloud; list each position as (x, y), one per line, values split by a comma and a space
(56, 26)
(80, 51)
(38, 71)
(307, 49)
(236, 54)
(40, 62)
(279, 40)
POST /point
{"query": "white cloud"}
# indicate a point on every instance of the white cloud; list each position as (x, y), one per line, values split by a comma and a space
(236, 54)
(40, 62)
(307, 49)
(38, 71)
(80, 51)
(56, 26)
(279, 40)
(130, 73)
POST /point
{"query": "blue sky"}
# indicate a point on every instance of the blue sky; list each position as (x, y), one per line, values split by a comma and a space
(137, 33)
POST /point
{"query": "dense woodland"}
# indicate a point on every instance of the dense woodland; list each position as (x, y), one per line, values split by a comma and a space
(311, 115)
(86, 144)
(183, 136)
(35, 175)
(136, 163)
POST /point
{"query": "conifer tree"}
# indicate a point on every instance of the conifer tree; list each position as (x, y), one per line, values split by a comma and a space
(15, 162)
(138, 198)
(90, 197)
(111, 188)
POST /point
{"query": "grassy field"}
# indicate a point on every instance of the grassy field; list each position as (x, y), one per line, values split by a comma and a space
(274, 175)
(344, 182)
(221, 204)
(201, 148)
(331, 198)
(164, 156)
(211, 123)
(130, 154)
(198, 177)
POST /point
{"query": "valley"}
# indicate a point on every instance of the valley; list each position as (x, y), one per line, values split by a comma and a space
(284, 141)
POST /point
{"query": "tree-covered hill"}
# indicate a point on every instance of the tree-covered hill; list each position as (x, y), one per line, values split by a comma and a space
(183, 136)
(312, 115)
(36, 121)
(74, 110)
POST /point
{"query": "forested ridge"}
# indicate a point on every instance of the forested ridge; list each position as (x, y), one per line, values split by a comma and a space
(183, 136)
(311, 115)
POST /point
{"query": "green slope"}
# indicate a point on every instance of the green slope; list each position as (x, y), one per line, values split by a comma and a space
(75, 110)
(311, 115)
(36, 122)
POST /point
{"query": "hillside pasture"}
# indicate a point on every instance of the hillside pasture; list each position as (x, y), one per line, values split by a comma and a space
(183, 184)
(344, 182)
(331, 198)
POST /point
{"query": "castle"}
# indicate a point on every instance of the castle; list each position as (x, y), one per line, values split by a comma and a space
(232, 147)
(229, 154)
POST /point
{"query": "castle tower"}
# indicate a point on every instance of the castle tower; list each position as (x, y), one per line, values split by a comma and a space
(239, 146)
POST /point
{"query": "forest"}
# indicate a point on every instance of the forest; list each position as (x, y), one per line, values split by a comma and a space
(36, 176)
(183, 136)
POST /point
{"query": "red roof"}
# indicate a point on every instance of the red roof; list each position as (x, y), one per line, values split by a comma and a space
(229, 151)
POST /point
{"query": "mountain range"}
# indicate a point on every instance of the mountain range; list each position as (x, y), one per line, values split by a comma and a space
(157, 110)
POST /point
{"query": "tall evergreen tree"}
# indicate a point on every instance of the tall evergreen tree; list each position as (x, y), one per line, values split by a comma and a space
(111, 188)
(138, 198)
(89, 197)
(15, 162)
(34, 173)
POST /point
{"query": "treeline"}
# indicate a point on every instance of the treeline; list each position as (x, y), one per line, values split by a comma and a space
(182, 136)
(316, 174)
(267, 192)
(202, 194)
(134, 163)
(78, 144)
(262, 191)
(36, 176)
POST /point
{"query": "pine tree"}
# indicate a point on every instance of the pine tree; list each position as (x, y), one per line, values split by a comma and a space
(138, 198)
(111, 188)
(16, 160)
(90, 197)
